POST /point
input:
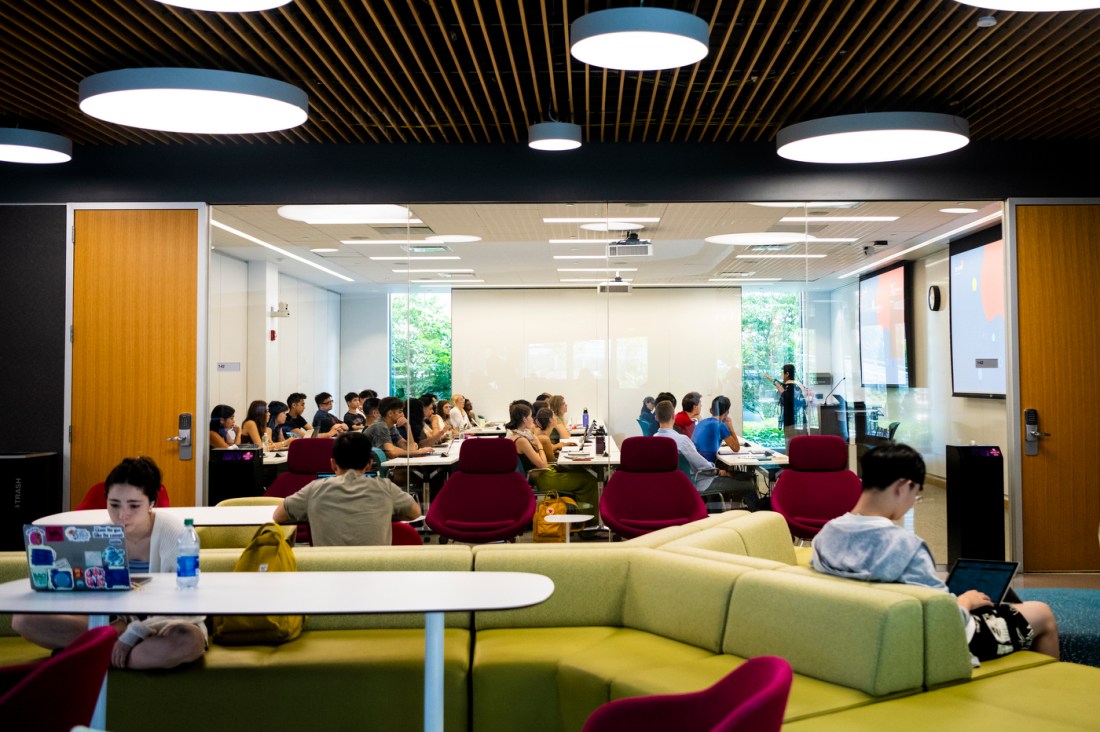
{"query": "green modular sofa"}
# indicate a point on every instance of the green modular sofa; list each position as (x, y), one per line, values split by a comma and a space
(669, 612)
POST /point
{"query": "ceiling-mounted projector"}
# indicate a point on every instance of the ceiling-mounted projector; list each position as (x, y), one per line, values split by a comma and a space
(631, 246)
(614, 287)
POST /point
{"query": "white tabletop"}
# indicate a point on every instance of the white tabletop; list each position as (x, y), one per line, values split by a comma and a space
(571, 456)
(294, 593)
(203, 516)
(436, 459)
(569, 518)
(750, 455)
(275, 458)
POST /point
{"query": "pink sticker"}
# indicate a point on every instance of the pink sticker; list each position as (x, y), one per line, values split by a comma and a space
(95, 578)
(55, 533)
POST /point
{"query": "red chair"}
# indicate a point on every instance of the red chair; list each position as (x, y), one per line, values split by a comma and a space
(97, 498)
(486, 500)
(817, 486)
(405, 535)
(305, 458)
(648, 492)
(60, 692)
(752, 697)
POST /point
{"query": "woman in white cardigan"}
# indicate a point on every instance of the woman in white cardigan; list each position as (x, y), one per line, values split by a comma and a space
(458, 418)
(155, 642)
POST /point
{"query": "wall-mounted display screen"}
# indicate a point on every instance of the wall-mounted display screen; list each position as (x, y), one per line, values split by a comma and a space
(978, 315)
(885, 345)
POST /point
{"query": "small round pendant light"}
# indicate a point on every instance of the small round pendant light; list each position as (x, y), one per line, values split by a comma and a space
(30, 146)
(639, 39)
(202, 101)
(554, 136)
(1033, 6)
(227, 6)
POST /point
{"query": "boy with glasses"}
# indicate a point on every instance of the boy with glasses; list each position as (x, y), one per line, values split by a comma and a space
(324, 424)
(867, 544)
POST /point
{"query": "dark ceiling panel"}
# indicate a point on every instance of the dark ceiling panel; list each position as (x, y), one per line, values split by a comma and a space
(447, 71)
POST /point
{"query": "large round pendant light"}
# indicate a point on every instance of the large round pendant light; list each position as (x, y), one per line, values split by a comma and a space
(227, 6)
(554, 136)
(1033, 6)
(876, 137)
(30, 146)
(202, 101)
(639, 39)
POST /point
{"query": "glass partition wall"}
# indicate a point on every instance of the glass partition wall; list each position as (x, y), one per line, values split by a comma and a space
(608, 303)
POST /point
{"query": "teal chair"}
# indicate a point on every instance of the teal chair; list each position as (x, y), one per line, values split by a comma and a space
(648, 428)
(379, 458)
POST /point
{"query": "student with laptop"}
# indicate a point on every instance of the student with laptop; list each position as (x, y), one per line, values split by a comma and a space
(866, 544)
(153, 642)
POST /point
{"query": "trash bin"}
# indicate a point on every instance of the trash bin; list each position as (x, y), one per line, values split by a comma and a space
(30, 488)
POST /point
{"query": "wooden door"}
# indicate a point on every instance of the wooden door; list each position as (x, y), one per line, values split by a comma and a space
(134, 344)
(1059, 336)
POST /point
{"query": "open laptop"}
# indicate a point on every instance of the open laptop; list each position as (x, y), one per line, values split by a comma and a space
(985, 575)
(76, 558)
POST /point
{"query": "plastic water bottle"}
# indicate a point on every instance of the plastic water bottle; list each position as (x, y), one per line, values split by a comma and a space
(187, 557)
(584, 418)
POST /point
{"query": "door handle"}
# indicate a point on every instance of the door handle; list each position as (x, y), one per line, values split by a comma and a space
(178, 438)
(183, 439)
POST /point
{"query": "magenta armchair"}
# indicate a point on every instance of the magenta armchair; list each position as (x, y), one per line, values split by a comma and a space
(753, 697)
(60, 692)
(817, 486)
(486, 499)
(648, 492)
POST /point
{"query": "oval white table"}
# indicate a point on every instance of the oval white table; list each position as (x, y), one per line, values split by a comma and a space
(203, 516)
(303, 593)
(569, 519)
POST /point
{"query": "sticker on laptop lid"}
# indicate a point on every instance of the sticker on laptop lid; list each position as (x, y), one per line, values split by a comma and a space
(77, 534)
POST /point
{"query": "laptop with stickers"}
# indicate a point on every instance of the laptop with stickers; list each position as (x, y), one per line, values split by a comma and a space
(76, 558)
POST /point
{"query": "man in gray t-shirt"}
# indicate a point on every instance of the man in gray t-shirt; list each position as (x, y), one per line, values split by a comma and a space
(351, 508)
(384, 433)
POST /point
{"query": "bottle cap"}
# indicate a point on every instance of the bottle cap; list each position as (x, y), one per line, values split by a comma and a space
(189, 522)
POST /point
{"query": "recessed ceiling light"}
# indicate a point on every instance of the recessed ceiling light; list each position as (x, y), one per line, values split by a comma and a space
(1033, 6)
(227, 6)
(639, 39)
(590, 279)
(831, 219)
(430, 271)
(201, 101)
(437, 282)
(745, 279)
(377, 214)
(406, 258)
(430, 249)
(762, 237)
(323, 250)
(599, 269)
(554, 136)
(580, 256)
(452, 238)
(381, 241)
(596, 219)
(959, 210)
(780, 256)
(18, 145)
(613, 226)
(875, 137)
(281, 251)
(583, 241)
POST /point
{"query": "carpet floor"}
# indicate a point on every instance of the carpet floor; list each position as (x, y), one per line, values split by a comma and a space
(1078, 616)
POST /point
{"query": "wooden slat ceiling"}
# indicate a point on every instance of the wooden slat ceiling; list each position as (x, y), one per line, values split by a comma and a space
(447, 71)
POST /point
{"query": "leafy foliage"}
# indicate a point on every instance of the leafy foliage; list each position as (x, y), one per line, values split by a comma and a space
(771, 335)
(420, 344)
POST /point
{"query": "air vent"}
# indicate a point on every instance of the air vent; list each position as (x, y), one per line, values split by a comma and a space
(615, 287)
(426, 249)
(769, 248)
(640, 249)
(396, 232)
(814, 228)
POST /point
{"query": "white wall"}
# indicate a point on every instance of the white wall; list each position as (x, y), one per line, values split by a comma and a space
(930, 416)
(364, 343)
(305, 355)
(511, 344)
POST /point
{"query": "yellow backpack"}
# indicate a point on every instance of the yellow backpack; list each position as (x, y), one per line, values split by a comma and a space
(552, 503)
(266, 552)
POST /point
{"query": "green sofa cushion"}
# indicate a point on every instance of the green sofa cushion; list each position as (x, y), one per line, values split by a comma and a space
(589, 585)
(946, 658)
(722, 538)
(853, 635)
(515, 675)
(585, 677)
(765, 535)
(680, 597)
(713, 555)
(1051, 697)
(665, 535)
(808, 697)
(335, 680)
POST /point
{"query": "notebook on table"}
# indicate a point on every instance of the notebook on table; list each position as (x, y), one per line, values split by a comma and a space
(76, 558)
(985, 575)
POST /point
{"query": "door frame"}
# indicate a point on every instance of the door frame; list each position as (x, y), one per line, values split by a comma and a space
(201, 445)
(1012, 352)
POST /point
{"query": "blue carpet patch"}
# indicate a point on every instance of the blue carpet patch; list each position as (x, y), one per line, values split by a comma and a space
(1078, 616)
